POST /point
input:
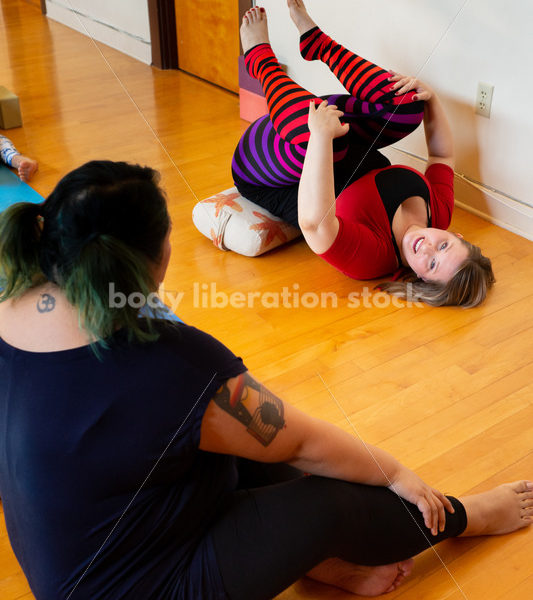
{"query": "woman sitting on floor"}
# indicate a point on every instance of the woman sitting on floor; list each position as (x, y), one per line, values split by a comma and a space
(385, 217)
(140, 459)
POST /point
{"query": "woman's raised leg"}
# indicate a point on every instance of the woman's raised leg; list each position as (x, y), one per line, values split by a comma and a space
(374, 109)
(288, 102)
(272, 150)
(268, 161)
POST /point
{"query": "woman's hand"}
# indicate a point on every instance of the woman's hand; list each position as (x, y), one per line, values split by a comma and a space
(325, 120)
(431, 503)
(407, 84)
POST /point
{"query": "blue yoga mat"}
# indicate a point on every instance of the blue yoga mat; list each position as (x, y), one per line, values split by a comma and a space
(13, 190)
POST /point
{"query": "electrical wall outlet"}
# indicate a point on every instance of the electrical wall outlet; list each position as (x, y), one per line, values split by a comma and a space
(484, 99)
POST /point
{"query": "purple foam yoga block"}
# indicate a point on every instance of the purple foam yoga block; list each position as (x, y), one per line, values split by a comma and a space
(246, 82)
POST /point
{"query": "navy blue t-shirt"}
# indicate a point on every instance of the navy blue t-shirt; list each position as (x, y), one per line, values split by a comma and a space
(104, 489)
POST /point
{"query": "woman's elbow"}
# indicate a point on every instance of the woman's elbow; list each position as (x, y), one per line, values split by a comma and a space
(307, 223)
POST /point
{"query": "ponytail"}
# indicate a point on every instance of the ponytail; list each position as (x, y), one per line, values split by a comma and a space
(20, 233)
(102, 231)
(103, 279)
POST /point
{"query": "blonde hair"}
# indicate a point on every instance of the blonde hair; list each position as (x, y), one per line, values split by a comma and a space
(467, 288)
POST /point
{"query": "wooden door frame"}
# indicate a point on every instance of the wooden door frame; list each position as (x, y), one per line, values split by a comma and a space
(162, 20)
(162, 16)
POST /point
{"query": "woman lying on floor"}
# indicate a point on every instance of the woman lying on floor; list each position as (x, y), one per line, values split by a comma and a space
(384, 217)
(140, 459)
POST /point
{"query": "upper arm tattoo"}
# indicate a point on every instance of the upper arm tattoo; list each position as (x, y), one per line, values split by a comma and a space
(266, 419)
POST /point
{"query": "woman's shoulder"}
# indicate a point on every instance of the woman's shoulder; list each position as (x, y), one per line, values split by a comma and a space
(41, 320)
(439, 171)
(441, 179)
(189, 339)
(184, 347)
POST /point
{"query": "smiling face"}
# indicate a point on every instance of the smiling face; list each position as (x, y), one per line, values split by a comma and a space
(433, 254)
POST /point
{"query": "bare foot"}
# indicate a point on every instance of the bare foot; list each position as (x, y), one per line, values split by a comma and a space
(501, 510)
(300, 16)
(26, 167)
(254, 28)
(364, 581)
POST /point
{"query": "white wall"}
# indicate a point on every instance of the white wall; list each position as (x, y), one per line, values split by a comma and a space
(121, 24)
(452, 44)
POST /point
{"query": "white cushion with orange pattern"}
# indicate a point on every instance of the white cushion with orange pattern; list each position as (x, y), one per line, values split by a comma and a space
(233, 222)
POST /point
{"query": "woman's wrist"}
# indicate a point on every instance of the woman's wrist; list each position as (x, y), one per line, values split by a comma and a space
(395, 472)
(321, 136)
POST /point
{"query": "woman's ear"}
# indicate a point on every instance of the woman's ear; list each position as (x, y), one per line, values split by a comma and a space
(459, 235)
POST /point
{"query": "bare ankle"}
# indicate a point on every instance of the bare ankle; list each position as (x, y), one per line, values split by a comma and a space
(501, 510)
(16, 160)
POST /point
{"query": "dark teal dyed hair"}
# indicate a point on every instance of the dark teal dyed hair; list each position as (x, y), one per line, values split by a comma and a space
(105, 222)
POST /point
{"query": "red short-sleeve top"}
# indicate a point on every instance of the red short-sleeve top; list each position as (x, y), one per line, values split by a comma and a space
(363, 248)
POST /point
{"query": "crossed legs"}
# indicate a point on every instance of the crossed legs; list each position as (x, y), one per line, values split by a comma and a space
(282, 526)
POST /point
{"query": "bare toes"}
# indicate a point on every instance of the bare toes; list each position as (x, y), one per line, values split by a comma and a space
(406, 567)
(522, 486)
(404, 570)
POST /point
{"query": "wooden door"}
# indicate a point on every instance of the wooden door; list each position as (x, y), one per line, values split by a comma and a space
(208, 39)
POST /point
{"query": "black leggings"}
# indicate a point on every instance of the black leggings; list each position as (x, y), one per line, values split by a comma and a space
(283, 524)
(283, 201)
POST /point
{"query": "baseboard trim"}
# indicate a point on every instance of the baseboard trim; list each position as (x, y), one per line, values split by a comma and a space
(105, 33)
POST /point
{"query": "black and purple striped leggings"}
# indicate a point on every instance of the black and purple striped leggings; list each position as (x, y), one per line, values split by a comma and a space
(268, 161)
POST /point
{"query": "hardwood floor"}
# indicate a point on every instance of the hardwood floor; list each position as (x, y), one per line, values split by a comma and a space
(448, 391)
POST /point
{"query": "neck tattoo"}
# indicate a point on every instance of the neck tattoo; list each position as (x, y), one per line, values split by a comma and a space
(46, 303)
